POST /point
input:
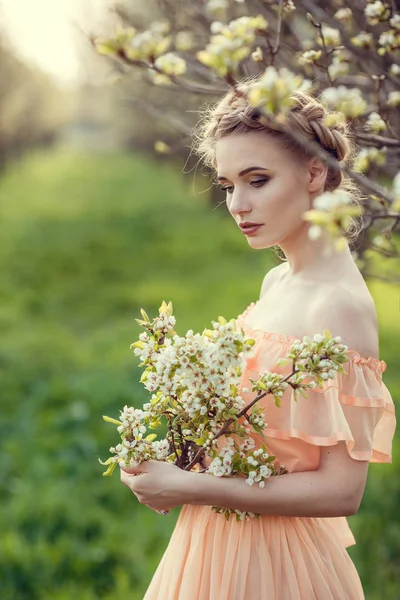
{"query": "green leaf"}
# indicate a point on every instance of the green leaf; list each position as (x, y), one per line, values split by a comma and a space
(110, 420)
(144, 315)
(236, 464)
(110, 469)
(282, 362)
(277, 400)
(138, 344)
(105, 47)
(142, 323)
(108, 461)
(150, 437)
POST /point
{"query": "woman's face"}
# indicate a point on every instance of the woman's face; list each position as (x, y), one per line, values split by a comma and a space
(264, 184)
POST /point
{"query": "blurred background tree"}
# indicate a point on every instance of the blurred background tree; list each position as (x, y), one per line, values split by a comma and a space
(94, 225)
(32, 108)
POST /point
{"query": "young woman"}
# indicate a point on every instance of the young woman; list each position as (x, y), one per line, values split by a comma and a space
(296, 550)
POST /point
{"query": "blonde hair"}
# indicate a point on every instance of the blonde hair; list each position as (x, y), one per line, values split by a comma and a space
(234, 114)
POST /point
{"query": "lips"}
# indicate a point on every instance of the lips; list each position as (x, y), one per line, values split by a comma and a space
(249, 228)
(247, 225)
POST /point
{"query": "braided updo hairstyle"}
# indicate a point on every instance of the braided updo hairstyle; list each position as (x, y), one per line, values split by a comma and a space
(233, 114)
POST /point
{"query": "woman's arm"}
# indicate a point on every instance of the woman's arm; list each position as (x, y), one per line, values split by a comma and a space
(334, 490)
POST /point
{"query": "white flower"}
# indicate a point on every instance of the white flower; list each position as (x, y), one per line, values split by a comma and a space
(375, 12)
(314, 232)
(338, 67)
(387, 41)
(348, 100)
(163, 26)
(310, 56)
(216, 27)
(231, 44)
(368, 156)
(217, 7)
(395, 21)
(148, 43)
(288, 7)
(183, 41)
(273, 90)
(343, 14)
(394, 69)
(257, 55)
(362, 39)
(171, 64)
(394, 98)
(123, 452)
(331, 36)
(396, 184)
(375, 123)
(318, 338)
(329, 200)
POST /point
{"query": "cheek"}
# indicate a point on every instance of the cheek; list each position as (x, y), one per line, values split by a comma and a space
(286, 192)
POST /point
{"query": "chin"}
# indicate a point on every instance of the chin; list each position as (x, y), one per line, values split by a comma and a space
(259, 243)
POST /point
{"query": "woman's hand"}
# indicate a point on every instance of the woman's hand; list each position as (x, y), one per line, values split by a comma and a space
(159, 485)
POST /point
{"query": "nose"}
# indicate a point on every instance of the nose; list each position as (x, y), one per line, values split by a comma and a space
(237, 203)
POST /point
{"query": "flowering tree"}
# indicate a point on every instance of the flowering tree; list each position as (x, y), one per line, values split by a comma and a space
(348, 56)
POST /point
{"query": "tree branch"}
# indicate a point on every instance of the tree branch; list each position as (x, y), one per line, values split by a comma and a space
(377, 140)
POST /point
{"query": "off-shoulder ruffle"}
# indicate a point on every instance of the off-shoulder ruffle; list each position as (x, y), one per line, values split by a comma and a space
(355, 407)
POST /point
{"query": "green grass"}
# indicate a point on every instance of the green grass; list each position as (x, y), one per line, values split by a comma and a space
(85, 242)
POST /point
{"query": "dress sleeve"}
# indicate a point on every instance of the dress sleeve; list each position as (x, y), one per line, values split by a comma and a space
(356, 407)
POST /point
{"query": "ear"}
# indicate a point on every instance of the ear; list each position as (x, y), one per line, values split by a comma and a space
(317, 172)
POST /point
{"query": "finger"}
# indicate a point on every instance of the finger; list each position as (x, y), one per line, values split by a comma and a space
(158, 510)
(131, 470)
(125, 478)
(128, 480)
(136, 468)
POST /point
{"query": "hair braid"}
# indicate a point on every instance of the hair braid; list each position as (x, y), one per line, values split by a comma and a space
(233, 114)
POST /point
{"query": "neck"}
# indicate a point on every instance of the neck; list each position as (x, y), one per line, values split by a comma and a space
(314, 259)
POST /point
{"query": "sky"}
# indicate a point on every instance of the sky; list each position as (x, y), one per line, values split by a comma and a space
(46, 32)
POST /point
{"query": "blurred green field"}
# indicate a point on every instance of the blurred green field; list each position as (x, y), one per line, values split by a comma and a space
(85, 242)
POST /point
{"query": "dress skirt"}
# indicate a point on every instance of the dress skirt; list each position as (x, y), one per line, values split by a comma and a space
(270, 558)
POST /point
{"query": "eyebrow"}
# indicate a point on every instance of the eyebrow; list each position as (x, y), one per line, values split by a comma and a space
(246, 171)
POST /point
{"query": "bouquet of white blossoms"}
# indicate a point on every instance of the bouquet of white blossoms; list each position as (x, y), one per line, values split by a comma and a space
(195, 385)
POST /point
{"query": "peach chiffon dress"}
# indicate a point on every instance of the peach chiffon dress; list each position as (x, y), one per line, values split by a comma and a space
(274, 557)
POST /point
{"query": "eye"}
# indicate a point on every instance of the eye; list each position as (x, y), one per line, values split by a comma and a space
(259, 182)
(227, 188)
(255, 183)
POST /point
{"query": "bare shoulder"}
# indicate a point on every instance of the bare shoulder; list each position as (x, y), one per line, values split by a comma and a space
(271, 277)
(351, 316)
